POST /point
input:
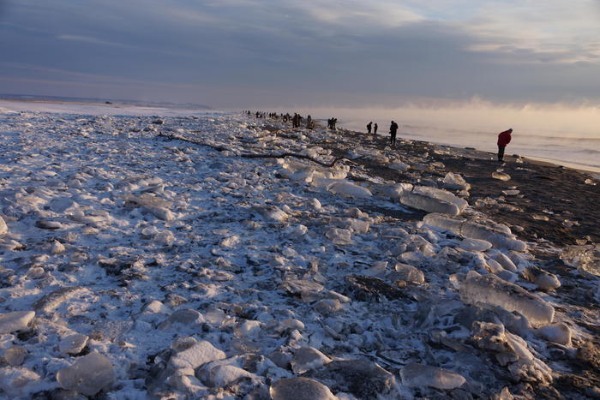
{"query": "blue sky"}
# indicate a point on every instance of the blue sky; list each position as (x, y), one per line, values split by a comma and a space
(248, 53)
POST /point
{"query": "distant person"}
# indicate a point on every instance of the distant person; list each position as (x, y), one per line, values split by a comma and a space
(309, 122)
(503, 141)
(375, 129)
(369, 126)
(393, 131)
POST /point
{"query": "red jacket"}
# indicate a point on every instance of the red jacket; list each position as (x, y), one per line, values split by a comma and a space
(504, 138)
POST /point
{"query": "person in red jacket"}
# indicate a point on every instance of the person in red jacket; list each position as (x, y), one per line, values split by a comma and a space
(503, 141)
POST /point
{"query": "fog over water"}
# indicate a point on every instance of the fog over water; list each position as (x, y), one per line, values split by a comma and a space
(563, 134)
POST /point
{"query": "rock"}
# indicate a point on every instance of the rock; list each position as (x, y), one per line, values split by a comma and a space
(88, 375)
(73, 344)
(15, 321)
(195, 356)
(308, 358)
(362, 378)
(418, 376)
(300, 389)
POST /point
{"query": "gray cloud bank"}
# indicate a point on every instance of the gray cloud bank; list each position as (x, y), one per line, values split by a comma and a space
(238, 53)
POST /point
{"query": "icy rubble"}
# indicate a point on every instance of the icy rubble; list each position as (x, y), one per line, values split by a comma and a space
(498, 235)
(15, 321)
(490, 290)
(417, 375)
(88, 375)
(157, 267)
(429, 199)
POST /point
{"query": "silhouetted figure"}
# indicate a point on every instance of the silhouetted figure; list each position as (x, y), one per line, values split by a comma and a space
(369, 125)
(309, 122)
(393, 131)
(331, 123)
(375, 129)
(503, 140)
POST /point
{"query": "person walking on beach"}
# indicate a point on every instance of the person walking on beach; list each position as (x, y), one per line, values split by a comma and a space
(369, 125)
(503, 141)
(393, 131)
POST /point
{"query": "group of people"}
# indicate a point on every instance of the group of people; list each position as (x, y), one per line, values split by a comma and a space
(504, 137)
(393, 131)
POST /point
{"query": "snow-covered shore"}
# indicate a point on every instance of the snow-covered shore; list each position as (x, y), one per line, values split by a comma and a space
(220, 256)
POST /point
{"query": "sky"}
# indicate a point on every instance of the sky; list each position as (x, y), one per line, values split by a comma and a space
(319, 53)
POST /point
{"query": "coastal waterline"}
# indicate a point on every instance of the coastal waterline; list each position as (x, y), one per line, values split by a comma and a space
(564, 135)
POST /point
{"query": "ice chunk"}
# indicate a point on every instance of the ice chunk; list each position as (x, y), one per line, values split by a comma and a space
(308, 358)
(409, 273)
(3, 227)
(586, 258)
(544, 280)
(339, 236)
(15, 356)
(362, 378)
(556, 333)
(429, 199)
(498, 235)
(18, 383)
(506, 262)
(88, 375)
(511, 351)
(272, 214)
(454, 181)
(475, 244)
(399, 166)
(418, 375)
(73, 344)
(198, 354)
(221, 375)
(15, 321)
(349, 189)
(492, 291)
(156, 206)
(500, 176)
(300, 389)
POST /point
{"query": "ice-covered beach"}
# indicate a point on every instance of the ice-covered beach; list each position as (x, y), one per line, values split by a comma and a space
(175, 255)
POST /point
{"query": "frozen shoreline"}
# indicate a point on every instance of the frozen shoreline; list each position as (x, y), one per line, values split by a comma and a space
(189, 260)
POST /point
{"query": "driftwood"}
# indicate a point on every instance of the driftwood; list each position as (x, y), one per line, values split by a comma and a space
(252, 155)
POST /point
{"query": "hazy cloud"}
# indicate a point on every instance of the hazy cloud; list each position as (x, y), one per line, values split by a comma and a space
(296, 51)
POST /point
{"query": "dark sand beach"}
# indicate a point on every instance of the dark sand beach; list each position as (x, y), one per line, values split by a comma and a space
(553, 203)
